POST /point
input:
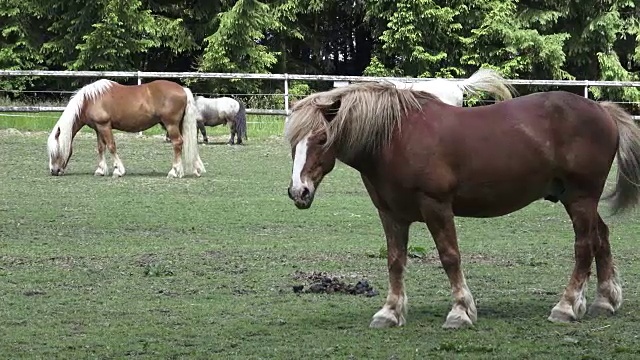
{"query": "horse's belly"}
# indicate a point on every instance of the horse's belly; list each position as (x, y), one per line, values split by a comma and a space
(497, 202)
(487, 209)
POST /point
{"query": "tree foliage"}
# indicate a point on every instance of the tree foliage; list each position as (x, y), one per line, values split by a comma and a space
(541, 39)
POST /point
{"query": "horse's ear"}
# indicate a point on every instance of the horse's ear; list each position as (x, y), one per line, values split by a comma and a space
(331, 111)
(57, 133)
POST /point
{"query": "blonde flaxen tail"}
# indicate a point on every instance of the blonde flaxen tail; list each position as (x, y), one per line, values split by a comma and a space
(488, 81)
(190, 156)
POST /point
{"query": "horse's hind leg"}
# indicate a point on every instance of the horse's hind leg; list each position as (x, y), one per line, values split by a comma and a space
(102, 169)
(166, 134)
(177, 171)
(107, 136)
(439, 219)
(609, 294)
(584, 216)
(395, 308)
(232, 132)
(203, 131)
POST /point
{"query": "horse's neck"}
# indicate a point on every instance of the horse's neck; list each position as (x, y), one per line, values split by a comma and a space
(360, 162)
(77, 125)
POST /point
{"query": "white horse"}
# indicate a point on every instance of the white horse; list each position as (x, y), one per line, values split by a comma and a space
(222, 111)
(452, 92)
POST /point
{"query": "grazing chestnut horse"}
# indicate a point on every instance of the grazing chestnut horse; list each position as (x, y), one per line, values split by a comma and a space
(422, 160)
(452, 92)
(106, 105)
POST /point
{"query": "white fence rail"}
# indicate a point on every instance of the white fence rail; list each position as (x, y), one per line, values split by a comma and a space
(139, 75)
(35, 109)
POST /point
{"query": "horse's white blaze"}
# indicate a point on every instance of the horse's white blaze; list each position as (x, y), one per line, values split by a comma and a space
(60, 147)
(300, 158)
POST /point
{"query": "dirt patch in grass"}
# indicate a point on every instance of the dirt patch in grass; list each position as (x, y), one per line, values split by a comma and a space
(323, 283)
(146, 260)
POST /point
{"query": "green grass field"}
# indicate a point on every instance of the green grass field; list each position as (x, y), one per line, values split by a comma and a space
(149, 267)
(260, 125)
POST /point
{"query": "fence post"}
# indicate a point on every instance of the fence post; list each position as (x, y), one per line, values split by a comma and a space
(286, 96)
(139, 83)
(586, 89)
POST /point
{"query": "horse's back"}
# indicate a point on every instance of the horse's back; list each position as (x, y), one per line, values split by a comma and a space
(517, 149)
(216, 111)
(155, 94)
(134, 107)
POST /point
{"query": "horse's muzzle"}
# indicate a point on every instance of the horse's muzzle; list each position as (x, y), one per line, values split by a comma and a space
(56, 172)
(302, 197)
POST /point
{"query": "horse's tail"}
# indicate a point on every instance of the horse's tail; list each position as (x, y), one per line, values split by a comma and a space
(190, 135)
(489, 81)
(241, 121)
(626, 193)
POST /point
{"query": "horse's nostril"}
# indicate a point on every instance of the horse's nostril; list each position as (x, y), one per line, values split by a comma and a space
(289, 193)
(305, 193)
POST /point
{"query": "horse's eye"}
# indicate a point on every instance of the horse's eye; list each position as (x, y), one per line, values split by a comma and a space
(322, 141)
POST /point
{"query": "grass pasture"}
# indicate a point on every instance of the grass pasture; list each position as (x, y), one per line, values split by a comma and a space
(149, 267)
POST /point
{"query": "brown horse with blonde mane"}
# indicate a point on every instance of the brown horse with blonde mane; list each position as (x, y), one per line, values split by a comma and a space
(422, 160)
(105, 105)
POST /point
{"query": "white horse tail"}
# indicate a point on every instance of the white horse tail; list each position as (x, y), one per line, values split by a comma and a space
(489, 81)
(61, 136)
(190, 156)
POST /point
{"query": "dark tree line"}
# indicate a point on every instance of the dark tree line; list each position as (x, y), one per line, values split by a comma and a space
(527, 39)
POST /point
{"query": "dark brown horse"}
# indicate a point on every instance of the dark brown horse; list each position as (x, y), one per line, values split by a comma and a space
(106, 105)
(425, 161)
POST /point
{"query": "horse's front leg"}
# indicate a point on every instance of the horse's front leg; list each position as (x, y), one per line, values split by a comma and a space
(102, 169)
(439, 218)
(395, 308)
(107, 136)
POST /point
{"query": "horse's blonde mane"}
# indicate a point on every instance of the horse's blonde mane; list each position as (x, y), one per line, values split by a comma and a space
(364, 121)
(62, 146)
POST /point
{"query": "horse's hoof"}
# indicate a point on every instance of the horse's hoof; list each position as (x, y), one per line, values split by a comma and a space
(99, 172)
(175, 173)
(457, 320)
(601, 308)
(386, 318)
(381, 322)
(562, 317)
